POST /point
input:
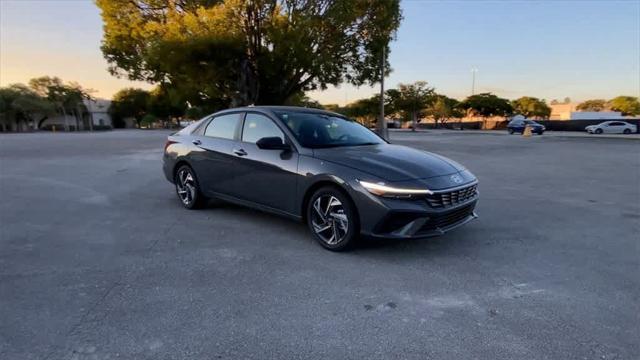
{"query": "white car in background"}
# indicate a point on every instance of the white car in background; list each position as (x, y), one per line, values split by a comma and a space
(612, 127)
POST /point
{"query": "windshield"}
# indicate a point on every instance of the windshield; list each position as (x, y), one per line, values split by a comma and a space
(530, 122)
(317, 130)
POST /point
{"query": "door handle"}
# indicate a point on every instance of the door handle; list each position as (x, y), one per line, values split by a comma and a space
(240, 152)
(197, 142)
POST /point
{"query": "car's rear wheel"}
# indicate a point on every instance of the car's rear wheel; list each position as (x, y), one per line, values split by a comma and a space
(598, 131)
(188, 189)
(627, 131)
(332, 219)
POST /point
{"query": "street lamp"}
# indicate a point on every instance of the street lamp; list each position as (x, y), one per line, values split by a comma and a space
(473, 80)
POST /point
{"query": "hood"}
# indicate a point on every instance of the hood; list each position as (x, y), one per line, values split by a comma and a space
(390, 162)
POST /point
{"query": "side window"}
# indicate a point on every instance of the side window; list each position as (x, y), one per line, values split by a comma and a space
(257, 126)
(223, 126)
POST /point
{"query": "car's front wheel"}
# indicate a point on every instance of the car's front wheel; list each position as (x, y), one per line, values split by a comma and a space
(598, 131)
(188, 189)
(332, 219)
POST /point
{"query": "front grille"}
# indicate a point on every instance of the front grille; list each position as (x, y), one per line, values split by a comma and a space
(451, 198)
(449, 218)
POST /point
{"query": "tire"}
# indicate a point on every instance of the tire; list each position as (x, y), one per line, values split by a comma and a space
(511, 131)
(598, 131)
(188, 189)
(627, 131)
(324, 226)
(541, 132)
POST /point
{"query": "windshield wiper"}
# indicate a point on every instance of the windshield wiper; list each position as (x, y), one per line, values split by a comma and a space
(366, 143)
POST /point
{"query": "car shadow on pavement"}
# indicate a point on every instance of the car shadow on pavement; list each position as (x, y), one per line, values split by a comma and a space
(284, 229)
(448, 243)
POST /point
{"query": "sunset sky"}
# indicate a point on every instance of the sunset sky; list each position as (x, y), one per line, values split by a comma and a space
(547, 49)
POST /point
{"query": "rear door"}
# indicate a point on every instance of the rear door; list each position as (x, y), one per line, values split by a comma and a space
(266, 177)
(214, 165)
(617, 127)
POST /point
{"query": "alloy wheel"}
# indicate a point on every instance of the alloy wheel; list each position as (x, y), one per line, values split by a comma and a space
(329, 220)
(186, 186)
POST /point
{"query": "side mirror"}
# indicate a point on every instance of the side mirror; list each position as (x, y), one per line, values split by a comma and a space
(272, 143)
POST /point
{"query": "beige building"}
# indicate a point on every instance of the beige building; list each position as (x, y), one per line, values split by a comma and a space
(562, 111)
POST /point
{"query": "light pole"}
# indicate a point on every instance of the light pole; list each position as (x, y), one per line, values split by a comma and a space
(382, 124)
(473, 80)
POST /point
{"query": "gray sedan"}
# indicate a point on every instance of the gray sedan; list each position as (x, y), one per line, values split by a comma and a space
(336, 175)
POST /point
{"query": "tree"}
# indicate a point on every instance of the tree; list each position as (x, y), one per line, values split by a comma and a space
(443, 108)
(194, 113)
(68, 98)
(303, 100)
(20, 106)
(166, 103)
(627, 105)
(411, 99)
(592, 105)
(244, 52)
(364, 110)
(531, 107)
(130, 102)
(486, 105)
(148, 120)
(333, 107)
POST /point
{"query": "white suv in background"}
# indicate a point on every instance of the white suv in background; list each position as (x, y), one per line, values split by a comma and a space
(612, 127)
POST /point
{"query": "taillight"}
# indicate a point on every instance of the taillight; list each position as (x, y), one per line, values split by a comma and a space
(169, 142)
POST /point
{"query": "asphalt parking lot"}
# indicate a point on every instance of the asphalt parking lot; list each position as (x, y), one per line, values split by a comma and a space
(98, 260)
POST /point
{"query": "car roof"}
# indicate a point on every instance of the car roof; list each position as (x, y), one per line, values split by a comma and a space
(274, 108)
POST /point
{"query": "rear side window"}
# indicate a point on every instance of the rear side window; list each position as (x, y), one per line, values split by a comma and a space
(223, 126)
(257, 126)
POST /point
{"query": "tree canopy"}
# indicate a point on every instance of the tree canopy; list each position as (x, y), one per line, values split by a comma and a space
(410, 99)
(130, 102)
(531, 107)
(592, 105)
(243, 52)
(627, 105)
(443, 108)
(21, 103)
(487, 105)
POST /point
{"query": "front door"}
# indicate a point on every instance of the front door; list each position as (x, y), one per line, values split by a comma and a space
(266, 177)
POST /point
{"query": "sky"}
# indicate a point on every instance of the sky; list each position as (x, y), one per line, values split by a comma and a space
(546, 49)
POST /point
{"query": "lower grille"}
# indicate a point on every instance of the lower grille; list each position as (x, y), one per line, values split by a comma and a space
(447, 219)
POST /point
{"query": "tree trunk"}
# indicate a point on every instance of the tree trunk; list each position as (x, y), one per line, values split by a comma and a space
(414, 120)
(66, 123)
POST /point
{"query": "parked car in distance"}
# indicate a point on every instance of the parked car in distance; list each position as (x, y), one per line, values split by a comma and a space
(518, 126)
(322, 168)
(612, 127)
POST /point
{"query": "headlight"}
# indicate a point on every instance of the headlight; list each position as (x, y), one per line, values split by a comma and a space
(381, 189)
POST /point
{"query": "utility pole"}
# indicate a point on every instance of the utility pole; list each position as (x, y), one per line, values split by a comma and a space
(382, 124)
(473, 80)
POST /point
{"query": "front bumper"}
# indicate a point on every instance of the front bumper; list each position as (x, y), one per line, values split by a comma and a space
(418, 218)
(425, 224)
